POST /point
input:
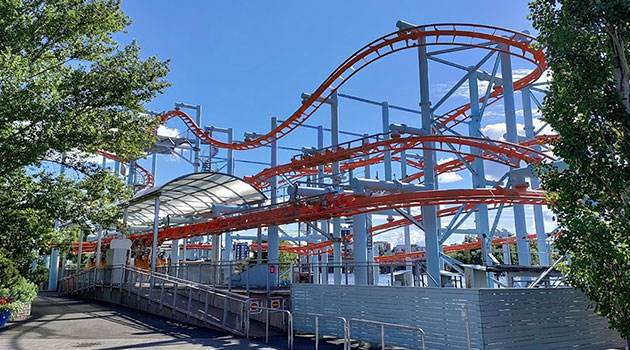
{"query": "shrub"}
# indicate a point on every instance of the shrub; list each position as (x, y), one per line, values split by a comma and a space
(23, 291)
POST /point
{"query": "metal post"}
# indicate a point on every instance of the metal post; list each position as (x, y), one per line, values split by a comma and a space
(154, 166)
(230, 152)
(482, 223)
(197, 140)
(53, 272)
(175, 252)
(323, 223)
(272, 231)
(99, 239)
(387, 160)
(429, 213)
(360, 249)
(316, 266)
(80, 250)
(156, 227)
(541, 236)
(522, 243)
(216, 256)
(370, 248)
(326, 229)
(406, 229)
(334, 130)
(131, 173)
(259, 245)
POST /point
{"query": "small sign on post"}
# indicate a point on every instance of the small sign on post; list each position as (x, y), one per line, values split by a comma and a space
(254, 306)
(275, 303)
(272, 269)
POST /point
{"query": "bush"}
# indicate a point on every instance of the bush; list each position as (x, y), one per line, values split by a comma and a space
(9, 275)
(23, 291)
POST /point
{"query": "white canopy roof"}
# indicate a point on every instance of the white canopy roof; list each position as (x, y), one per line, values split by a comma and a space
(191, 195)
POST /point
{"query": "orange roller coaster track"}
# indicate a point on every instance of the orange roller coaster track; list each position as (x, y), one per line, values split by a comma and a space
(496, 151)
(147, 178)
(444, 34)
(336, 205)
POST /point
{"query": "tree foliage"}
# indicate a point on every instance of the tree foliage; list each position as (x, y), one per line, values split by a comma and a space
(66, 84)
(31, 205)
(589, 106)
(66, 87)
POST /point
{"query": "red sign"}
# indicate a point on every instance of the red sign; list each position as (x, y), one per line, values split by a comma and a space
(272, 268)
(253, 306)
(275, 304)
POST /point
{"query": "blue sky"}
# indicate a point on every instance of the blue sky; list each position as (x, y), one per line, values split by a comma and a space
(247, 61)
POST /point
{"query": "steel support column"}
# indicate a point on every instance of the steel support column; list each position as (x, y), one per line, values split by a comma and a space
(324, 257)
(156, 228)
(272, 233)
(227, 252)
(375, 271)
(520, 225)
(80, 252)
(406, 228)
(53, 272)
(99, 239)
(334, 133)
(429, 213)
(482, 223)
(387, 157)
(539, 222)
(324, 223)
(131, 172)
(360, 249)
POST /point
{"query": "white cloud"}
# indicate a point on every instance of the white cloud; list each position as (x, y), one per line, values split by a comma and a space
(444, 160)
(398, 237)
(495, 131)
(449, 178)
(167, 132)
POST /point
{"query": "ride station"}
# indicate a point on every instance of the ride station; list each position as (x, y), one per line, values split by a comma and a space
(294, 247)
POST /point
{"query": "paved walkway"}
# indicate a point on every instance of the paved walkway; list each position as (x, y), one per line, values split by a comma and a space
(65, 323)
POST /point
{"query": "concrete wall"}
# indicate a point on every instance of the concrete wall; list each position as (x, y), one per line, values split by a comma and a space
(512, 319)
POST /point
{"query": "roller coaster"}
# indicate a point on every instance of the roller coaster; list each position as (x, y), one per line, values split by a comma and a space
(335, 200)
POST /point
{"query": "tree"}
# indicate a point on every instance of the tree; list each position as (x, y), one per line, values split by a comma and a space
(589, 106)
(66, 87)
(32, 204)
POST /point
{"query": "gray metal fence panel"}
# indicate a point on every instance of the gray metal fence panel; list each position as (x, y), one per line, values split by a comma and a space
(561, 318)
(442, 313)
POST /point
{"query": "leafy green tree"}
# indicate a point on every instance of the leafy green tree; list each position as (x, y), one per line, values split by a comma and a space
(589, 106)
(66, 87)
(469, 256)
(32, 204)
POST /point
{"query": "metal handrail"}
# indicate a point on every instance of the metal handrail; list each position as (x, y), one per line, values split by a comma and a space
(196, 284)
(346, 327)
(383, 325)
(77, 282)
(289, 324)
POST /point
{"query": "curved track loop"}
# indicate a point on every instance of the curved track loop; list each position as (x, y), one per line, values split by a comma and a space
(496, 151)
(445, 34)
(147, 178)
